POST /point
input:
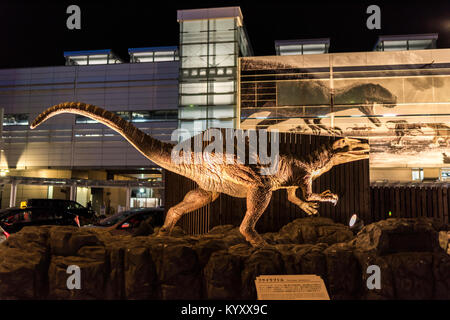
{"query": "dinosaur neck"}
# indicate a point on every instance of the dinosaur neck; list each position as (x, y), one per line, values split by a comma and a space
(157, 151)
(319, 161)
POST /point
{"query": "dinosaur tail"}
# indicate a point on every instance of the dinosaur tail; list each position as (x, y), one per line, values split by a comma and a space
(153, 149)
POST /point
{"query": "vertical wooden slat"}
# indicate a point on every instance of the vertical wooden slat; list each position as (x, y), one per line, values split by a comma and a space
(374, 202)
(435, 202)
(413, 201)
(407, 202)
(445, 203)
(430, 203)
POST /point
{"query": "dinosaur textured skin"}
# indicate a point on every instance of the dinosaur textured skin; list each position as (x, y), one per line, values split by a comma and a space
(235, 179)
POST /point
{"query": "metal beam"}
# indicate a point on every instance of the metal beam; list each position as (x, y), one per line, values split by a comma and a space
(12, 197)
(82, 182)
(73, 192)
(128, 199)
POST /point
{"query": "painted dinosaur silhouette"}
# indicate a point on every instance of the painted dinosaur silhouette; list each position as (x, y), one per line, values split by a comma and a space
(361, 96)
(235, 179)
(403, 128)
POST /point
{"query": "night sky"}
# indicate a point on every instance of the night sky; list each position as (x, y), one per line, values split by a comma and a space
(36, 35)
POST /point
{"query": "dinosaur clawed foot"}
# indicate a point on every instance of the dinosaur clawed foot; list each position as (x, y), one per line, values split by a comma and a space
(258, 243)
(254, 238)
(164, 232)
(329, 196)
(310, 208)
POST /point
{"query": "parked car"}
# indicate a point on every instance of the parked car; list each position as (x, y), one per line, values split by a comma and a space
(36, 212)
(128, 222)
(67, 205)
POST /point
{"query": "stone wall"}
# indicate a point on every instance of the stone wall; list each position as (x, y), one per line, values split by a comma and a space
(221, 264)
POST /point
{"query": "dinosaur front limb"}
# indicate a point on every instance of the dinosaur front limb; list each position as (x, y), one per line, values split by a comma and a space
(257, 201)
(309, 207)
(193, 200)
(325, 196)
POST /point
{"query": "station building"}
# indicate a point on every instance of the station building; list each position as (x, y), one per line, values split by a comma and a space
(397, 96)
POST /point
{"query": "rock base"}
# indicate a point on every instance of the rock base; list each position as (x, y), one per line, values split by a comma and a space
(221, 264)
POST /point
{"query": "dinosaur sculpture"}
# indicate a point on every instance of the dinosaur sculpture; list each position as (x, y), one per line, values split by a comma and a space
(235, 179)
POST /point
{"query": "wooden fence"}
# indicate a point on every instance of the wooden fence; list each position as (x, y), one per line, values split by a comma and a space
(349, 181)
(410, 200)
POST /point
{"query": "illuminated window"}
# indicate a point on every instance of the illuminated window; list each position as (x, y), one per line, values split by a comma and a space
(141, 116)
(303, 46)
(153, 54)
(82, 119)
(445, 174)
(406, 42)
(91, 57)
(157, 115)
(124, 115)
(417, 174)
(138, 116)
(15, 119)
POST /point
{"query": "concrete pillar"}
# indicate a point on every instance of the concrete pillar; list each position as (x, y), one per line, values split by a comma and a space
(73, 192)
(128, 199)
(12, 197)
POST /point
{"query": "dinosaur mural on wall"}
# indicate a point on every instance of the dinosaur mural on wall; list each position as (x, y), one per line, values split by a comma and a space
(402, 109)
(235, 179)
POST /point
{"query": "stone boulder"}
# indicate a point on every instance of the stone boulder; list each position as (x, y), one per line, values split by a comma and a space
(313, 230)
(222, 265)
(400, 235)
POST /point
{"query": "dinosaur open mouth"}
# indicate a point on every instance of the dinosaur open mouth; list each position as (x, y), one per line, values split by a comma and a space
(360, 151)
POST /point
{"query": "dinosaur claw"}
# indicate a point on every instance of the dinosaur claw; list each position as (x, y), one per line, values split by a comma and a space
(310, 208)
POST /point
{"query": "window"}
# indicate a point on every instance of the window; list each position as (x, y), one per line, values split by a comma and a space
(82, 119)
(44, 214)
(417, 174)
(125, 115)
(445, 174)
(141, 116)
(24, 216)
(15, 119)
(134, 221)
(138, 116)
(157, 115)
(91, 57)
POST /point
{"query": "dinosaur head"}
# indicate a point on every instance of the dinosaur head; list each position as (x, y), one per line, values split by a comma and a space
(348, 150)
(373, 94)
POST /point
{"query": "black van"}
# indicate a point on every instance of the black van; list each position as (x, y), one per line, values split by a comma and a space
(45, 212)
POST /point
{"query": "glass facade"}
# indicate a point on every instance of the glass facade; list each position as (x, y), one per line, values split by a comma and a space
(209, 51)
(400, 101)
(137, 116)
